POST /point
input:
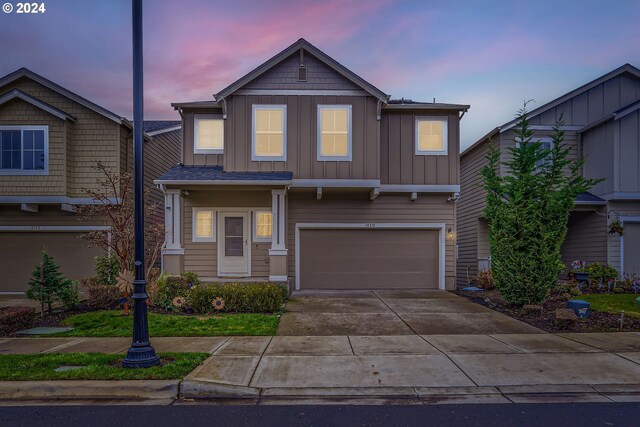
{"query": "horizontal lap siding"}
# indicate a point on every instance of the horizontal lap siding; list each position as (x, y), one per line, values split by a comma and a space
(357, 208)
(586, 237)
(613, 240)
(469, 210)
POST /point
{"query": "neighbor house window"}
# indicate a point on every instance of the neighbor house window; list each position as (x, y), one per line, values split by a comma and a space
(262, 226)
(546, 143)
(204, 225)
(208, 130)
(431, 136)
(24, 150)
(334, 132)
(269, 133)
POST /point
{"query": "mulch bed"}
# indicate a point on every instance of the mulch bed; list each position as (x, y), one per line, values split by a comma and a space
(596, 322)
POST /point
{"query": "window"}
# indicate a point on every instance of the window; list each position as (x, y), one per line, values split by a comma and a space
(431, 136)
(24, 150)
(262, 226)
(334, 132)
(208, 133)
(204, 225)
(546, 143)
(269, 133)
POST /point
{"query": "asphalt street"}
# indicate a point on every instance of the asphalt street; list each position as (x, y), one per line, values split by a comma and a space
(614, 414)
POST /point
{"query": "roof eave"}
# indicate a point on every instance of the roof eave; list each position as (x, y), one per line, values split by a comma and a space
(264, 182)
(493, 132)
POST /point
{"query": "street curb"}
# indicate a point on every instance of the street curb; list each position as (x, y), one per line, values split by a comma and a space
(76, 389)
(194, 389)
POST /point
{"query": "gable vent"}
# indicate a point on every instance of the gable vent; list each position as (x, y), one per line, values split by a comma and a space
(302, 74)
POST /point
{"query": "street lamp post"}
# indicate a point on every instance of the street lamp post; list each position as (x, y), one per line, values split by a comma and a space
(141, 354)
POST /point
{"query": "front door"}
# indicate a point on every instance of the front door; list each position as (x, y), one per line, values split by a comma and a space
(233, 246)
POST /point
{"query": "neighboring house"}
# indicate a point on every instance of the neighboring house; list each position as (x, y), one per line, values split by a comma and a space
(302, 171)
(50, 138)
(602, 126)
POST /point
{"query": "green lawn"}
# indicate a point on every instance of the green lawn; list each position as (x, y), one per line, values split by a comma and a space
(95, 366)
(112, 323)
(613, 303)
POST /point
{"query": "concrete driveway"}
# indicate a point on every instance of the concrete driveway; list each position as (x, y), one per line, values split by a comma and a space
(392, 312)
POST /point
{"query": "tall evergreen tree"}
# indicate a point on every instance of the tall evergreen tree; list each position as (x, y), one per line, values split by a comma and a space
(527, 212)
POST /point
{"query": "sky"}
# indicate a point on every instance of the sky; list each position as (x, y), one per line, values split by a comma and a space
(493, 55)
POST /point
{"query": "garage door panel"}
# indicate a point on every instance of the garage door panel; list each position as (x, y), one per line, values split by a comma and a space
(21, 252)
(369, 258)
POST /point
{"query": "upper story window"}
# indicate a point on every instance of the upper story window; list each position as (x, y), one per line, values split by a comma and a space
(208, 130)
(334, 132)
(431, 135)
(24, 150)
(269, 139)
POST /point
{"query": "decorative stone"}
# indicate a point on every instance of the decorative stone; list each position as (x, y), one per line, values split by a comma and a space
(472, 289)
(581, 308)
(43, 331)
(65, 368)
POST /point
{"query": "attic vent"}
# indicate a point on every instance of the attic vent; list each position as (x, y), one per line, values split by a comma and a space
(302, 74)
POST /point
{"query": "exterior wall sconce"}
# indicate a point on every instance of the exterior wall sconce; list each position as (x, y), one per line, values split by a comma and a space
(450, 234)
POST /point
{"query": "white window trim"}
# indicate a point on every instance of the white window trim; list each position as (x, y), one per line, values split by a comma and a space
(254, 156)
(255, 236)
(445, 134)
(22, 172)
(194, 225)
(196, 149)
(322, 158)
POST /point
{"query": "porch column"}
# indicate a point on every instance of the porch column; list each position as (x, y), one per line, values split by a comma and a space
(278, 251)
(172, 252)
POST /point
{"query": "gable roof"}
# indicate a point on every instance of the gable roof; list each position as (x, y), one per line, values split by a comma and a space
(326, 59)
(17, 93)
(24, 72)
(626, 68)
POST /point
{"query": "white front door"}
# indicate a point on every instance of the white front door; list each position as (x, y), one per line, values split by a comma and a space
(233, 245)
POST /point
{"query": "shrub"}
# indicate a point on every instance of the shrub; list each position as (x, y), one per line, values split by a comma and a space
(169, 287)
(107, 269)
(484, 280)
(190, 278)
(101, 296)
(239, 298)
(47, 284)
(13, 319)
(600, 273)
(69, 296)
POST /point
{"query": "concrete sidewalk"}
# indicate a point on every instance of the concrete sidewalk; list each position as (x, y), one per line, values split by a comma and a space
(412, 368)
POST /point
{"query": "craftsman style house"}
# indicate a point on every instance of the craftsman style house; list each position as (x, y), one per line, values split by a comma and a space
(50, 139)
(303, 172)
(602, 124)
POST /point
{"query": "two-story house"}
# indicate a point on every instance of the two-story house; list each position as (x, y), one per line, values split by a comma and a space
(50, 141)
(601, 126)
(303, 172)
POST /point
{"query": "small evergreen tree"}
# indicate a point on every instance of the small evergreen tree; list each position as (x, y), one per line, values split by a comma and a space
(527, 212)
(47, 284)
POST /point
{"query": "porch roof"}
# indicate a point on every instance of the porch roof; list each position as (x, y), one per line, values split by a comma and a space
(588, 198)
(216, 175)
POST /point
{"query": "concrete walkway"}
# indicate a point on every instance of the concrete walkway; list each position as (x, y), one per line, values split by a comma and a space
(392, 312)
(425, 368)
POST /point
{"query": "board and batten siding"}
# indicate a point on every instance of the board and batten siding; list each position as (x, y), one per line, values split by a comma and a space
(598, 154)
(202, 257)
(303, 207)
(627, 133)
(398, 162)
(301, 137)
(469, 211)
(594, 104)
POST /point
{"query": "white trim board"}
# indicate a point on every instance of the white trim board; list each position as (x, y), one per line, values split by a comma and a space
(57, 228)
(441, 227)
(52, 200)
(410, 188)
(337, 183)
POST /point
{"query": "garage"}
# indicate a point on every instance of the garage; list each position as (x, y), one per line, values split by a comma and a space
(20, 252)
(631, 248)
(371, 257)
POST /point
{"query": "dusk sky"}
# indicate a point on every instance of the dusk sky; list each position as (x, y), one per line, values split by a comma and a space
(492, 55)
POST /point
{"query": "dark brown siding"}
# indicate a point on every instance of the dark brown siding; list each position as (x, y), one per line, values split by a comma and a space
(398, 162)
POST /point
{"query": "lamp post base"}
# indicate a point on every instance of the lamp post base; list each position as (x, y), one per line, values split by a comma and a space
(141, 356)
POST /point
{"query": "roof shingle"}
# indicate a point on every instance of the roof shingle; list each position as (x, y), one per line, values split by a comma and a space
(215, 173)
